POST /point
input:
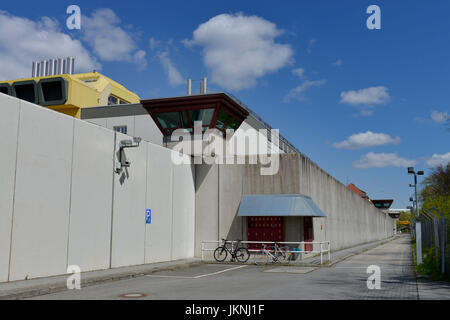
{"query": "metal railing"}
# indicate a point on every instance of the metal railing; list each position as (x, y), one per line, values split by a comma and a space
(296, 249)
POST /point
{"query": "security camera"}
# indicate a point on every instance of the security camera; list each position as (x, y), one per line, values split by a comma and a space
(126, 143)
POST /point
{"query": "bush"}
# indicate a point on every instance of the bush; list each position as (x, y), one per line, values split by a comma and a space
(430, 265)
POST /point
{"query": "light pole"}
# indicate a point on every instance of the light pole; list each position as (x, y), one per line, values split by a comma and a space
(418, 224)
(418, 173)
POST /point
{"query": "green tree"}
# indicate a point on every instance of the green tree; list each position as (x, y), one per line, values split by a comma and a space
(436, 190)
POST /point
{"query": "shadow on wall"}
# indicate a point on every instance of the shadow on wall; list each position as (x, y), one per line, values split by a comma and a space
(237, 229)
(201, 177)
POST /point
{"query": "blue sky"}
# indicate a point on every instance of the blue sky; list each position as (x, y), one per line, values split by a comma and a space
(363, 104)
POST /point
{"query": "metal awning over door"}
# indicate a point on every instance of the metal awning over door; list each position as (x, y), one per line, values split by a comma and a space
(278, 205)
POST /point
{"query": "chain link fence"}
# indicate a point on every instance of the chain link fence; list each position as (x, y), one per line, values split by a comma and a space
(435, 234)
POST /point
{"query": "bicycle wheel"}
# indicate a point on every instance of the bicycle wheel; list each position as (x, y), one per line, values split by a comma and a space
(242, 254)
(220, 254)
(281, 253)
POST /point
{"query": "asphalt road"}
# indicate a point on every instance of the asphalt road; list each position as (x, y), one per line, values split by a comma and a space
(344, 280)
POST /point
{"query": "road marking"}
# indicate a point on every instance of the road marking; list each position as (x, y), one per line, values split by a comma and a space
(218, 272)
(195, 277)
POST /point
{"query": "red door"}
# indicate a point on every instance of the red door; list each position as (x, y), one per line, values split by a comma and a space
(308, 232)
(264, 229)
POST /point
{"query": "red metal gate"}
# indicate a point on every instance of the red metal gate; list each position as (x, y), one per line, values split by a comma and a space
(264, 229)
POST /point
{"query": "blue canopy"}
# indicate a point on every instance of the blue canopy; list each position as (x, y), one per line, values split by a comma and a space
(260, 205)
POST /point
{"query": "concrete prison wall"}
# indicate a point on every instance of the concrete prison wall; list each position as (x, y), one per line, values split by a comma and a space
(350, 219)
(62, 204)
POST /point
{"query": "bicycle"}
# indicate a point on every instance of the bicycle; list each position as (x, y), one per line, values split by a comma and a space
(240, 254)
(279, 252)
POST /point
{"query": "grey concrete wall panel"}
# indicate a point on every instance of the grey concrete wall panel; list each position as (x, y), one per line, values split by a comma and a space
(129, 205)
(42, 193)
(9, 122)
(350, 220)
(99, 122)
(230, 192)
(206, 204)
(183, 211)
(145, 127)
(91, 198)
(122, 121)
(286, 181)
(158, 236)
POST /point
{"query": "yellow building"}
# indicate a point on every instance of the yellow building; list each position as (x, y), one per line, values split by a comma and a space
(69, 93)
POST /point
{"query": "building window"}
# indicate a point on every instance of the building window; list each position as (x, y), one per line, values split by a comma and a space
(203, 115)
(169, 120)
(121, 129)
(221, 120)
(112, 100)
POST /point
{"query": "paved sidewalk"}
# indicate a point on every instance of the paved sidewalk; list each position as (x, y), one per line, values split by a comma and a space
(41, 286)
(433, 290)
(339, 255)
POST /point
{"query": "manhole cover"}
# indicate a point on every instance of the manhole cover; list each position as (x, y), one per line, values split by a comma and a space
(132, 295)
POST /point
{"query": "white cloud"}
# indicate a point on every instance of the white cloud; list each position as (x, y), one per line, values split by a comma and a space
(163, 49)
(110, 41)
(139, 59)
(366, 139)
(382, 160)
(23, 40)
(368, 96)
(338, 63)
(238, 49)
(298, 92)
(311, 43)
(299, 72)
(439, 117)
(173, 74)
(366, 99)
(154, 43)
(438, 159)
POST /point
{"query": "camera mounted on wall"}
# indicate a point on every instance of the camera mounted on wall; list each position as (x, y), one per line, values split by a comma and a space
(123, 163)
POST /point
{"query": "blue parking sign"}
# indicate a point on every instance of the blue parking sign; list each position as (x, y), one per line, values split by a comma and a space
(148, 216)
